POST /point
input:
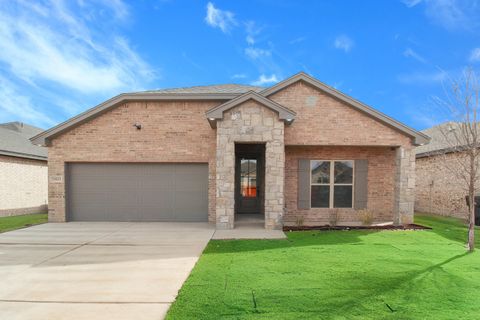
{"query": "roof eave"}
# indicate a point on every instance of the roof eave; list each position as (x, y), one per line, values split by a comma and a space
(421, 139)
(43, 139)
(22, 155)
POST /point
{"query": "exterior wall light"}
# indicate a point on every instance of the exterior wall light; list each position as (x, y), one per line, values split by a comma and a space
(138, 126)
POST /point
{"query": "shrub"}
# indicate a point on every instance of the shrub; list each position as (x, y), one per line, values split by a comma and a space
(366, 216)
(299, 221)
(333, 217)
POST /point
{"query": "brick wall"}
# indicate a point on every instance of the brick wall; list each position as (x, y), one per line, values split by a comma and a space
(381, 182)
(324, 120)
(171, 132)
(23, 186)
(438, 190)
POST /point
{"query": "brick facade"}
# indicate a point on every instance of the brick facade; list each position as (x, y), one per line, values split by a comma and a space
(324, 120)
(171, 132)
(325, 128)
(438, 190)
(381, 183)
(23, 186)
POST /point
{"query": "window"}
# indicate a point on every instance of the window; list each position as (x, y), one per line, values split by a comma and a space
(331, 183)
(248, 178)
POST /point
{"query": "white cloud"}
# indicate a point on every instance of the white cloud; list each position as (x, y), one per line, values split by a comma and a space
(118, 7)
(15, 104)
(255, 53)
(263, 80)
(475, 55)
(252, 30)
(222, 19)
(423, 78)
(411, 3)
(344, 43)
(450, 14)
(239, 76)
(297, 40)
(53, 44)
(410, 53)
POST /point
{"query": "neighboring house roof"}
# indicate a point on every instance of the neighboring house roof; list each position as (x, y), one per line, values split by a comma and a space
(14, 141)
(443, 140)
(224, 93)
(216, 113)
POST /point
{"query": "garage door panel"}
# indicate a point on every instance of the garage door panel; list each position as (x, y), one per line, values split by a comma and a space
(137, 192)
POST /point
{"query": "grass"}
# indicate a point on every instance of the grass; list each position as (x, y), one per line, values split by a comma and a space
(337, 275)
(17, 222)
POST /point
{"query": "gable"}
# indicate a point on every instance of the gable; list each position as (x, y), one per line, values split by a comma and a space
(324, 120)
(418, 137)
(217, 112)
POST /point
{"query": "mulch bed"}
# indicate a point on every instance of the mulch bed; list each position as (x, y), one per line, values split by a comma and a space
(347, 228)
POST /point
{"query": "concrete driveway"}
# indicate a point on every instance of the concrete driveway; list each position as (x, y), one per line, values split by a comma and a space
(97, 270)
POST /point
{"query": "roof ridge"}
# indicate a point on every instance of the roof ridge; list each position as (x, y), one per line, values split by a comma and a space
(239, 85)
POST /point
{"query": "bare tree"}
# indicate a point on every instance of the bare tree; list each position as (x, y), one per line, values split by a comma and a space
(461, 139)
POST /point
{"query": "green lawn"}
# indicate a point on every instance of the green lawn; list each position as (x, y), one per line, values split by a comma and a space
(17, 222)
(337, 275)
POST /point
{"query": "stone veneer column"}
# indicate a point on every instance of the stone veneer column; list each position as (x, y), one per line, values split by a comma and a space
(404, 186)
(250, 122)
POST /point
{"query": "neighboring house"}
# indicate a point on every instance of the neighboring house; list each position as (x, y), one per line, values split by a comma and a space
(291, 153)
(438, 189)
(23, 171)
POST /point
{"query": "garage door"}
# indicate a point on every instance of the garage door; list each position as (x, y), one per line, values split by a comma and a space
(137, 192)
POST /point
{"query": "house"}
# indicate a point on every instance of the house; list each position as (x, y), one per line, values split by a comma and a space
(291, 153)
(23, 171)
(438, 189)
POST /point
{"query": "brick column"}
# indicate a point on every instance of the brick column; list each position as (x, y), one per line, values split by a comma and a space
(404, 186)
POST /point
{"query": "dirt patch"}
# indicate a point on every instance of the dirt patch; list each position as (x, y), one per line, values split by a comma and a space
(347, 228)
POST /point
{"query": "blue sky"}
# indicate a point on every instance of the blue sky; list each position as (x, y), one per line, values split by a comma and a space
(59, 58)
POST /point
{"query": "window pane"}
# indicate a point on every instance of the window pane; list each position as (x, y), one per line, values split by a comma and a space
(320, 171)
(320, 196)
(343, 171)
(248, 177)
(342, 197)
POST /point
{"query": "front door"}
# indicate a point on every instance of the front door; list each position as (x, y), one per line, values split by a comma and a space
(248, 185)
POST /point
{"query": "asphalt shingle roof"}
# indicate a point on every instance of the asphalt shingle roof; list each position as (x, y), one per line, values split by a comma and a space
(440, 139)
(14, 141)
(220, 88)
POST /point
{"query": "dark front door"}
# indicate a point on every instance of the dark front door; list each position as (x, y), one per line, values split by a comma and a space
(248, 185)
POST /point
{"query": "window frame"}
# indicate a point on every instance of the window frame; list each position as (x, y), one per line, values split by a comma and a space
(332, 183)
